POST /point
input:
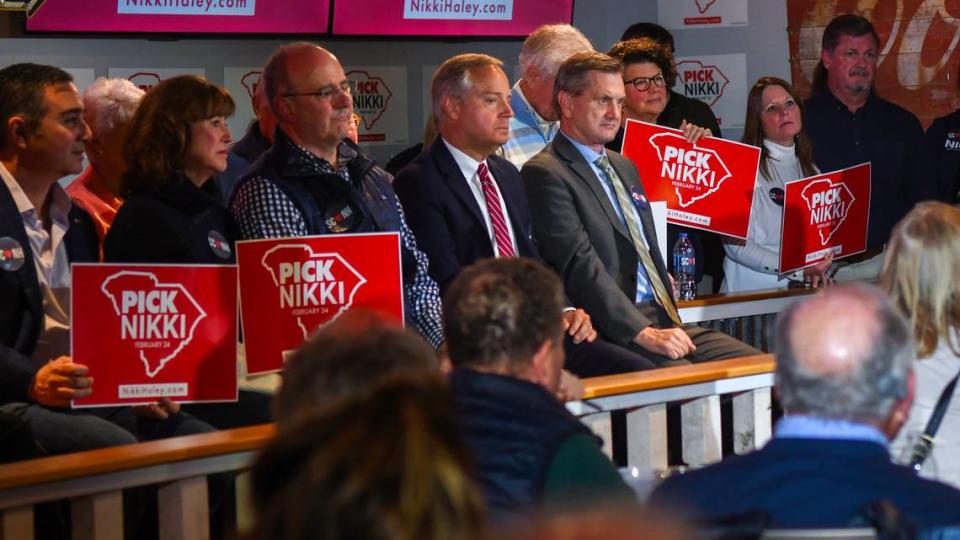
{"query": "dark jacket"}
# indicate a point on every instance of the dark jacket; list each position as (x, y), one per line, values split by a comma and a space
(177, 223)
(445, 217)
(809, 483)
(242, 155)
(512, 428)
(943, 142)
(21, 308)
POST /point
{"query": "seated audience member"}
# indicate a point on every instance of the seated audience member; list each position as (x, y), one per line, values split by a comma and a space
(844, 379)
(503, 328)
(465, 204)
(774, 124)
(593, 224)
(345, 358)
(535, 123)
(923, 255)
(178, 141)
(256, 141)
(315, 181)
(109, 105)
(383, 464)
(648, 74)
(173, 214)
(41, 233)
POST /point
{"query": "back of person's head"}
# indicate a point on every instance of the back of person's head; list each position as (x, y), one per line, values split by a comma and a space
(109, 103)
(160, 130)
(386, 464)
(500, 312)
(918, 274)
(548, 46)
(348, 357)
(843, 354)
(452, 78)
(646, 50)
(22, 88)
(649, 30)
(573, 77)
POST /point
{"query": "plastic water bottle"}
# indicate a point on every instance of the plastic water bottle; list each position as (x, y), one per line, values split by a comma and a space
(685, 267)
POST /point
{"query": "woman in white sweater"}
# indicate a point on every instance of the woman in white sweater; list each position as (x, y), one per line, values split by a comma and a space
(775, 124)
(919, 272)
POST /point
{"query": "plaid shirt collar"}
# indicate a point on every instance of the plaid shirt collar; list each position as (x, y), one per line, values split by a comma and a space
(297, 161)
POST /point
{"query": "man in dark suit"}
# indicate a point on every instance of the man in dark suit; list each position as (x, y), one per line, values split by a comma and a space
(464, 203)
(593, 224)
(42, 135)
(844, 379)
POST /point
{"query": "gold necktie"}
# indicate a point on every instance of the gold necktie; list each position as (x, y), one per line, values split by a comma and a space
(659, 291)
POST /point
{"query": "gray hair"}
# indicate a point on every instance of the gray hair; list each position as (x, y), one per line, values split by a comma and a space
(452, 78)
(866, 391)
(548, 46)
(110, 102)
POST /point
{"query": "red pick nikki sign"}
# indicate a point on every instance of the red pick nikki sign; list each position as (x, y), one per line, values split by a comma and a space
(823, 214)
(148, 332)
(708, 185)
(292, 286)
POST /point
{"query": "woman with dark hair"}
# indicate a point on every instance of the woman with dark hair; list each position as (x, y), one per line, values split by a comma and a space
(774, 123)
(178, 141)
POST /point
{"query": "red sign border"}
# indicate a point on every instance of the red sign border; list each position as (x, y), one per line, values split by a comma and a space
(866, 227)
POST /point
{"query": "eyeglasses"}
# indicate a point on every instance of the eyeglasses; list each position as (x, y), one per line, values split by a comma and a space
(326, 93)
(643, 83)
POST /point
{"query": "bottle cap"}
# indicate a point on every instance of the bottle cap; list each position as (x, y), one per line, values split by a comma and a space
(683, 235)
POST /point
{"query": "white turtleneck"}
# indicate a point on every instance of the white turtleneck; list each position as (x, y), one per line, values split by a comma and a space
(754, 264)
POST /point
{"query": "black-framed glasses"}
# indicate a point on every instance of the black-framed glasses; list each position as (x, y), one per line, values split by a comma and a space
(326, 93)
(643, 83)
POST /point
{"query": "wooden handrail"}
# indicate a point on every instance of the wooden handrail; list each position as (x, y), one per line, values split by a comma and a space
(750, 296)
(134, 456)
(677, 376)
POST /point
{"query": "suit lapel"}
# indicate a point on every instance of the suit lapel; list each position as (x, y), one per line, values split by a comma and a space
(453, 177)
(628, 176)
(585, 171)
(11, 225)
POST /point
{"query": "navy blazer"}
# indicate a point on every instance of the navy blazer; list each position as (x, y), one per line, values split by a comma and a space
(445, 216)
(21, 308)
(809, 483)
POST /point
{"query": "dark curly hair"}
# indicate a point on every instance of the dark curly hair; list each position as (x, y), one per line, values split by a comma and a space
(635, 51)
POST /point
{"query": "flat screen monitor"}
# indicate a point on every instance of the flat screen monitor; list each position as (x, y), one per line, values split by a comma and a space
(476, 18)
(183, 16)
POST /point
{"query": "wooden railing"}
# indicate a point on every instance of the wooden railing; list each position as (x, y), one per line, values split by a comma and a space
(746, 316)
(92, 481)
(644, 397)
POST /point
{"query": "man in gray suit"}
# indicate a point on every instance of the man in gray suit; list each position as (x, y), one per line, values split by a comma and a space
(592, 223)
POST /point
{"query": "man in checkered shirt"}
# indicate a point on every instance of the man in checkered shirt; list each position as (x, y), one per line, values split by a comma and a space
(313, 181)
(535, 122)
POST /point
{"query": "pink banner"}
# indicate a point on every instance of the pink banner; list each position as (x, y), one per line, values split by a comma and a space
(447, 17)
(201, 16)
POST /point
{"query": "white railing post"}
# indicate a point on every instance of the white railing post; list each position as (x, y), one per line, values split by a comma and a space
(600, 425)
(183, 510)
(17, 523)
(752, 420)
(647, 437)
(701, 430)
(98, 516)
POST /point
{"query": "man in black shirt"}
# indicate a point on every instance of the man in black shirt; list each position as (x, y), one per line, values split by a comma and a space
(849, 124)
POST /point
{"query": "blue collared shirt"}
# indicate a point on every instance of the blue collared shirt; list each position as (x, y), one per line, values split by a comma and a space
(644, 290)
(529, 132)
(796, 426)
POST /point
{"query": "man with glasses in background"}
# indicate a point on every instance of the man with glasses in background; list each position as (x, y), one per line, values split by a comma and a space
(314, 180)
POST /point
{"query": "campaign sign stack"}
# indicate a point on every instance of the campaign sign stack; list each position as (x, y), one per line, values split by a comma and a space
(708, 185)
(823, 214)
(291, 286)
(153, 331)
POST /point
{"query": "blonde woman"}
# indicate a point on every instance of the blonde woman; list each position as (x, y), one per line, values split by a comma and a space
(919, 274)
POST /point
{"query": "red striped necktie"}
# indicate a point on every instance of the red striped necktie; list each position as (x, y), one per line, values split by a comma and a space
(500, 232)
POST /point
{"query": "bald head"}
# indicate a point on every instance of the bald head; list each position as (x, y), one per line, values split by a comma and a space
(843, 354)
